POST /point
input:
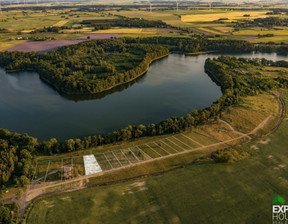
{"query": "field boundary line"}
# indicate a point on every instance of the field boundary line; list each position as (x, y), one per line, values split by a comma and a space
(192, 139)
(170, 147)
(182, 142)
(47, 171)
(154, 150)
(143, 152)
(116, 158)
(125, 156)
(161, 148)
(175, 144)
(134, 155)
(108, 160)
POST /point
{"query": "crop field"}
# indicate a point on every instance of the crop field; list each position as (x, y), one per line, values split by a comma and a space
(184, 195)
(129, 31)
(42, 46)
(280, 35)
(209, 30)
(224, 29)
(61, 23)
(256, 31)
(231, 16)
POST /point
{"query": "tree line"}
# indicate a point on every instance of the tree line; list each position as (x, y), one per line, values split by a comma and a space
(99, 24)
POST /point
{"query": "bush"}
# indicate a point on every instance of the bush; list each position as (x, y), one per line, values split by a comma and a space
(229, 156)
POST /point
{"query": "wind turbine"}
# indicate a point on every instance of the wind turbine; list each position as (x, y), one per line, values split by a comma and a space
(210, 4)
(177, 4)
(150, 6)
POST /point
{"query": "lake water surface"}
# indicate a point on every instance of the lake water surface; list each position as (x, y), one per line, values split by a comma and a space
(173, 86)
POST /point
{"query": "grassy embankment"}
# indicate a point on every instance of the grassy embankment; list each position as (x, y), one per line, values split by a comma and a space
(202, 192)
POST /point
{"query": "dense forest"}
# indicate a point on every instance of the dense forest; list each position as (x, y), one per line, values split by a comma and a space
(123, 22)
(9, 213)
(16, 160)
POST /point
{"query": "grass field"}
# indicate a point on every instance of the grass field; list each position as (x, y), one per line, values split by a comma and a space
(245, 121)
(16, 21)
(201, 193)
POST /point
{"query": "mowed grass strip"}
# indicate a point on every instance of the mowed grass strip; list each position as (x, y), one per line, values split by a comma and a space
(61, 23)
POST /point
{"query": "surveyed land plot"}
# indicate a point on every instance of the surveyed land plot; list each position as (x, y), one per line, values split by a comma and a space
(172, 145)
(53, 170)
(150, 152)
(121, 158)
(112, 158)
(78, 166)
(103, 161)
(130, 155)
(156, 147)
(40, 170)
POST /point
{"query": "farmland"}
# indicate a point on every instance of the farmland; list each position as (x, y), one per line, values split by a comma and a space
(201, 21)
(43, 46)
(229, 16)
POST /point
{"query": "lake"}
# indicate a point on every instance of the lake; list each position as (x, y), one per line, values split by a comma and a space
(173, 86)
